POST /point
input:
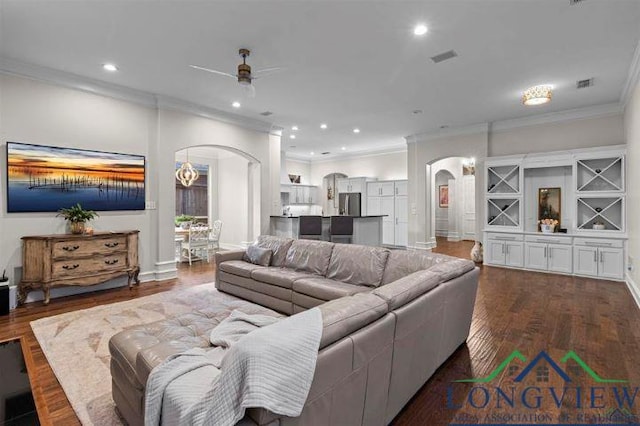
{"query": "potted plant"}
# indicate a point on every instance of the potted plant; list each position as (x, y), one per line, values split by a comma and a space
(77, 217)
(548, 226)
(183, 221)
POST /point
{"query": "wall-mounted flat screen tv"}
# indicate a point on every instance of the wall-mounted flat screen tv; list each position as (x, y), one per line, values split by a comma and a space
(46, 178)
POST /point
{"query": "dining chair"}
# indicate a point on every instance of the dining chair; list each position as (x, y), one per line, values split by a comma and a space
(214, 236)
(197, 243)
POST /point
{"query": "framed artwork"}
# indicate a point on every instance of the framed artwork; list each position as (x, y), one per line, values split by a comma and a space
(46, 178)
(550, 204)
(443, 196)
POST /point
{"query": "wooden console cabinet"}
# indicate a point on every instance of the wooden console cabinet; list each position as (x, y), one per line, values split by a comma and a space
(77, 260)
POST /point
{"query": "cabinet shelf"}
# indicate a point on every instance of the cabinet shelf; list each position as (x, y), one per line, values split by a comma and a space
(606, 210)
(503, 179)
(600, 175)
(503, 212)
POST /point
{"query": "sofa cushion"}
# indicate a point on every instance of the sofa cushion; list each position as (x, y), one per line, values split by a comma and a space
(341, 317)
(310, 256)
(257, 286)
(406, 289)
(453, 268)
(278, 246)
(258, 255)
(238, 267)
(283, 277)
(405, 262)
(305, 302)
(326, 289)
(358, 265)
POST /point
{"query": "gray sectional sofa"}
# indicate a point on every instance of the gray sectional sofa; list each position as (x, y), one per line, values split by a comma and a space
(390, 319)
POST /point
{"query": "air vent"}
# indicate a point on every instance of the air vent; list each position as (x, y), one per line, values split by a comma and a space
(444, 56)
(325, 153)
(583, 84)
(572, 2)
(266, 113)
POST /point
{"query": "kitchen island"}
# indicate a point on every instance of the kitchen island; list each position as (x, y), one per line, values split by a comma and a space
(367, 230)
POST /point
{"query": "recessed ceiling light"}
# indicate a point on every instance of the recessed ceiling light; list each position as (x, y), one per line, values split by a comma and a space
(356, 130)
(294, 128)
(109, 67)
(292, 136)
(312, 153)
(323, 126)
(236, 104)
(344, 148)
(420, 29)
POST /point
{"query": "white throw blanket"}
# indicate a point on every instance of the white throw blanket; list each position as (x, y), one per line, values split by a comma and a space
(271, 367)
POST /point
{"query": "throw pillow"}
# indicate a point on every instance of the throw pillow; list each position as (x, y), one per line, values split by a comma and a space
(257, 255)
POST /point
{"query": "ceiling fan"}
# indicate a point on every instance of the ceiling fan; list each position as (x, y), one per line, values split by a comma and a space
(244, 75)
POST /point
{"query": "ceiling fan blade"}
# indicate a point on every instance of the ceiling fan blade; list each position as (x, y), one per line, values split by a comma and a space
(226, 74)
(266, 71)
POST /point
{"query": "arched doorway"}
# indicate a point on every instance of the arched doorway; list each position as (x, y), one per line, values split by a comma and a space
(228, 190)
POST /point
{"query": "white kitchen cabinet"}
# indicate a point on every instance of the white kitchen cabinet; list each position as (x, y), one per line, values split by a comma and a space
(548, 253)
(381, 189)
(507, 250)
(401, 221)
(401, 187)
(301, 194)
(602, 262)
(343, 185)
(356, 184)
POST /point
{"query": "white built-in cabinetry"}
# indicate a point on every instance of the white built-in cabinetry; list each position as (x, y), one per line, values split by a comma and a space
(301, 194)
(592, 183)
(355, 184)
(389, 198)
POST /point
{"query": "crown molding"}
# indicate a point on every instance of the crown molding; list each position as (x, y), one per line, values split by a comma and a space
(97, 87)
(448, 132)
(595, 111)
(633, 77)
(391, 149)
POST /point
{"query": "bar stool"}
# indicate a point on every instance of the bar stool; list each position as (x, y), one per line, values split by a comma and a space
(310, 227)
(341, 227)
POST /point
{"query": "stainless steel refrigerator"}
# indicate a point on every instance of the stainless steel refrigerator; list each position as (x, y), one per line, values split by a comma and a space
(349, 203)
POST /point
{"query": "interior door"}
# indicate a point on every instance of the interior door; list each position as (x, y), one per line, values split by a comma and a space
(469, 207)
(536, 256)
(560, 258)
(402, 221)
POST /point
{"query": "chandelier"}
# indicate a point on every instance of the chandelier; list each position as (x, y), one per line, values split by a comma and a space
(187, 174)
(537, 95)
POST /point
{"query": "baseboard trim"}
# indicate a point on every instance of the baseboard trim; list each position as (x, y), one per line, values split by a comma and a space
(633, 288)
(165, 270)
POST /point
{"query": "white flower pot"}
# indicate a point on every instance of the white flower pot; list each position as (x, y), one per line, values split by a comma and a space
(598, 227)
(547, 229)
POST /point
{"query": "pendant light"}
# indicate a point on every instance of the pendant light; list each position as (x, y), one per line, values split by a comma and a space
(187, 174)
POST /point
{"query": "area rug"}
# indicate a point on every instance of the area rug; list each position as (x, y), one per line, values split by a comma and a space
(76, 343)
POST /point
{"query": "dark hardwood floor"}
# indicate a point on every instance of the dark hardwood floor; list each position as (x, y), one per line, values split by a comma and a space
(515, 310)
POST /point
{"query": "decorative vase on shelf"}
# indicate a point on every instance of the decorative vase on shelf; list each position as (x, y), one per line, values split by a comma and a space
(598, 226)
(76, 227)
(547, 229)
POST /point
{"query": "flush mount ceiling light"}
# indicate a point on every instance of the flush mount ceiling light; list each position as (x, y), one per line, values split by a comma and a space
(323, 126)
(537, 95)
(344, 148)
(187, 174)
(356, 130)
(292, 136)
(312, 153)
(420, 29)
(236, 104)
(109, 67)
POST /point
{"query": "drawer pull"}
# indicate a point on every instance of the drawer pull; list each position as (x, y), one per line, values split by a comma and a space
(70, 248)
(111, 262)
(111, 245)
(70, 267)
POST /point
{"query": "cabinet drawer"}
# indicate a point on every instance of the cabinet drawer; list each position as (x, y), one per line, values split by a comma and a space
(597, 242)
(80, 267)
(548, 239)
(504, 236)
(80, 248)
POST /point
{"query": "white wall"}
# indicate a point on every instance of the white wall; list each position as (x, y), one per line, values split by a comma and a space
(632, 133)
(42, 113)
(389, 166)
(298, 167)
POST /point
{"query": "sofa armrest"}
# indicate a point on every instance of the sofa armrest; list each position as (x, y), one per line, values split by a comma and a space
(224, 256)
